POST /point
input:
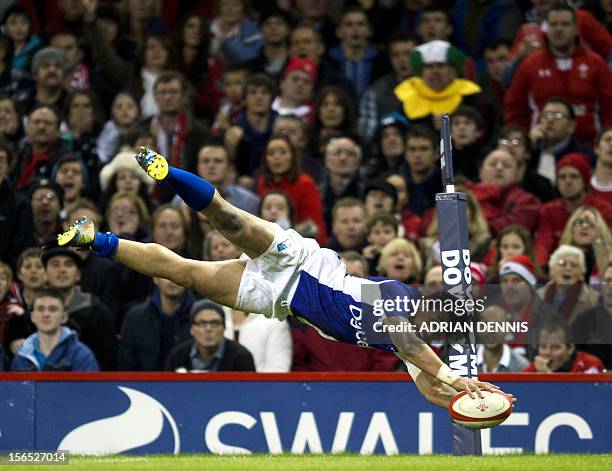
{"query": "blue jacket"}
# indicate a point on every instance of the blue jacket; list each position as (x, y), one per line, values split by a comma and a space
(68, 355)
(246, 47)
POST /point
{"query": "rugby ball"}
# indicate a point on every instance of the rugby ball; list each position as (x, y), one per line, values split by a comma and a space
(477, 413)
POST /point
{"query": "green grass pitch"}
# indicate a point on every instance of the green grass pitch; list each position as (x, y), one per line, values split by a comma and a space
(336, 463)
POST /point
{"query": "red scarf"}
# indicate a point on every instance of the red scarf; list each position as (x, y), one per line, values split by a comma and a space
(34, 162)
(569, 301)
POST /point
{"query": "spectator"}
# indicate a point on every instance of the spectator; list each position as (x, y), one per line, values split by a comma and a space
(588, 231)
(234, 80)
(533, 30)
(123, 174)
(379, 100)
(217, 248)
(125, 114)
(296, 89)
(557, 353)
(71, 175)
(601, 181)
(246, 140)
(502, 19)
(177, 135)
(46, 199)
(17, 25)
(400, 260)
(305, 42)
(552, 137)
(53, 347)
(41, 148)
(155, 56)
(522, 303)
(514, 139)
(83, 123)
(494, 355)
(348, 225)
(436, 88)
(16, 231)
(214, 166)
(491, 102)
(360, 61)
(316, 13)
(423, 172)
(342, 159)
(467, 128)
(433, 282)
(169, 228)
(390, 139)
(31, 273)
(356, 264)
(276, 207)
(502, 201)
(235, 36)
(86, 314)
(275, 25)
(295, 129)
(382, 228)
(268, 340)
(127, 216)
(11, 126)
(573, 174)
(48, 66)
(566, 291)
(333, 115)
(540, 77)
(78, 75)
(593, 329)
(379, 197)
(152, 328)
(209, 350)
(202, 71)
(281, 171)
(10, 304)
(512, 241)
(434, 23)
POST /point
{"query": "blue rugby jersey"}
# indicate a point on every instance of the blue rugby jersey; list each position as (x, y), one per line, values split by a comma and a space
(331, 301)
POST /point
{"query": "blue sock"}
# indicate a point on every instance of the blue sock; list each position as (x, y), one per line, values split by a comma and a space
(195, 191)
(105, 245)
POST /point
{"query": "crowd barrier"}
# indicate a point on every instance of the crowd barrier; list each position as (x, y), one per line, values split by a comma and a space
(241, 413)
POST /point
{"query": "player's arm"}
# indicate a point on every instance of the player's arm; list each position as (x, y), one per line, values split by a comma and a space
(417, 352)
(434, 390)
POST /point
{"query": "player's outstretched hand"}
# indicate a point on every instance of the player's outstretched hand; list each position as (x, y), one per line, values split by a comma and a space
(473, 386)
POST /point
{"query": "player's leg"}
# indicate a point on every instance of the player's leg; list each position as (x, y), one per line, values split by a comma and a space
(218, 281)
(250, 233)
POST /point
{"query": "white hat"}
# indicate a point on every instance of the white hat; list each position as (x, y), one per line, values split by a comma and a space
(124, 159)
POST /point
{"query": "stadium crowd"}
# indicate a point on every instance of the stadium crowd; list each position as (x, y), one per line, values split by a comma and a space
(322, 116)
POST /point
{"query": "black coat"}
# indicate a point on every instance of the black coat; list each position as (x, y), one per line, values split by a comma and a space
(16, 226)
(141, 335)
(235, 357)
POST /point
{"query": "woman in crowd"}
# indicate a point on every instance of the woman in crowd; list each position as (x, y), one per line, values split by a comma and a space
(587, 230)
(566, 291)
(276, 206)
(511, 241)
(333, 116)
(282, 172)
(127, 215)
(400, 260)
(11, 127)
(125, 116)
